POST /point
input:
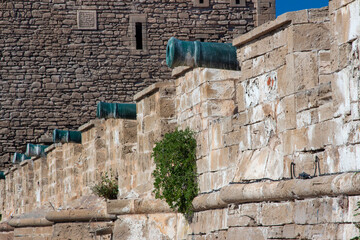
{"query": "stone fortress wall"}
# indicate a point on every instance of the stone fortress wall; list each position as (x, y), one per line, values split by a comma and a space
(294, 105)
(59, 58)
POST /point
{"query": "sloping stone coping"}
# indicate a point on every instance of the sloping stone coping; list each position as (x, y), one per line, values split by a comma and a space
(29, 222)
(152, 88)
(331, 185)
(80, 215)
(176, 72)
(87, 125)
(286, 18)
(137, 206)
(5, 227)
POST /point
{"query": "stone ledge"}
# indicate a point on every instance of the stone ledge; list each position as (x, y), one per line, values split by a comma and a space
(52, 147)
(149, 90)
(5, 227)
(331, 185)
(23, 163)
(29, 222)
(86, 126)
(180, 71)
(137, 206)
(286, 18)
(78, 216)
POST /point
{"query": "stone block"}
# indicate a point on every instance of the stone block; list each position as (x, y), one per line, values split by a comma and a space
(218, 90)
(324, 62)
(262, 163)
(286, 85)
(259, 137)
(205, 182)
(167, 108)
(215, 108)
(286, 114)
(210, 74)
(321, 134)
(294, 140)
(240, 119)
(312, 36)
(245, 140)
(341, 93)
(348, 14)
(275, 58)
(219, 159)
(325, 78)
(280, 38)
(150, 123)
(240, 97)
(304, 71)
(262, 132)
(246, 69)
(349, 158)
(244, 215)
(216, 135)
(246, 233)
(258, 66)
(232, 138)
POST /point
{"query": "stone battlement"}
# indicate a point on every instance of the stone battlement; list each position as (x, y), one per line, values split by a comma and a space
(60, 58)
(278, 146)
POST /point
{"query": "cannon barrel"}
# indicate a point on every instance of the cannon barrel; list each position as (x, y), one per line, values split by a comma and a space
(19, 157)
(2, 175)
(65, 136)
(201, 54)
(116, 110)
(33, 150)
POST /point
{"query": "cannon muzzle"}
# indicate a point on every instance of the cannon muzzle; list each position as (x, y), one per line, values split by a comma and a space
(201, 54)
(19, 157)
(33, 150)
(65, 136)
(116, 110)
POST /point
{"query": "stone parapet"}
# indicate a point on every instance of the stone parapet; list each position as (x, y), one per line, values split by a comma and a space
(61, 58)
(277, 153)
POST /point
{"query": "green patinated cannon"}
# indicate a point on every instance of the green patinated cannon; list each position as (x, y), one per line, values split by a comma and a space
(116, 110)
(33, 150)
(19, 157)
(65, 136)
(201, 54)
(2, 175)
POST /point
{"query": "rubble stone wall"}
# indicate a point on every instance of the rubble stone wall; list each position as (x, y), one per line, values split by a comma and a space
(53, 73)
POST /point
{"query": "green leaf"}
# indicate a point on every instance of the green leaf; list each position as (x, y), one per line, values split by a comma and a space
(175, 177)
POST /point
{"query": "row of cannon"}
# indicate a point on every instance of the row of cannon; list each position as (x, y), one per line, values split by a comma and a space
(178, 53)
(103, 110)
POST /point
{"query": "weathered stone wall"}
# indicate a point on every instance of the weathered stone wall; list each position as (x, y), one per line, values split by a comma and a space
(294, 103)
(53, 74)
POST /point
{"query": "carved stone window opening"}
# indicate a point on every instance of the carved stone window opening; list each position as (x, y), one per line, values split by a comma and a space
(201, 3)
(237, 3)
(137, 31)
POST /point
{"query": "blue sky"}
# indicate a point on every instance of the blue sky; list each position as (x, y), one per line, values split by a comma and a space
(283, 6)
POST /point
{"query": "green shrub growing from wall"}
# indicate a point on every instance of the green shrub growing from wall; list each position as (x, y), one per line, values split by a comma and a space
(175, 173)
(107, 188)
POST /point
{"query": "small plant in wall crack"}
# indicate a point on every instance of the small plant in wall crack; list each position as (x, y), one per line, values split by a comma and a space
(107, 187)
(175, 173)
